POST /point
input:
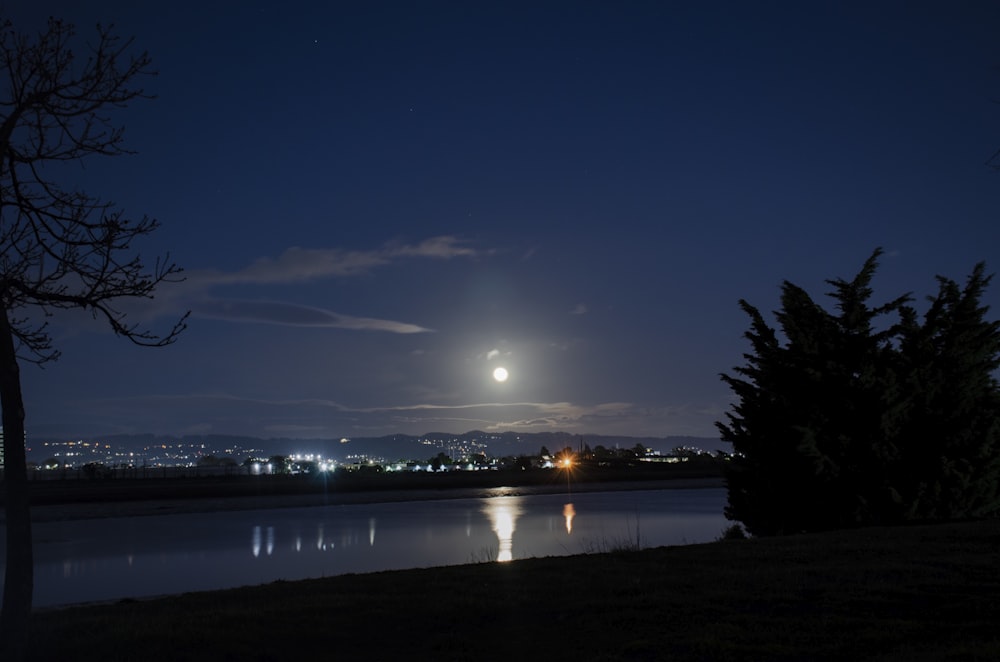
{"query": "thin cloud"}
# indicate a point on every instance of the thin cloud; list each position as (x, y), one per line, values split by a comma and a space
(566, 410)
(302, 264)
(329, 418)
(371, 324)
(579, 309)
(295, 265)
(287, 314)
(444, 247)
(305, 264)
(529, 416)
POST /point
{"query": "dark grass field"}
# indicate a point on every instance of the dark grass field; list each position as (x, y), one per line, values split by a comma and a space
(914, 593)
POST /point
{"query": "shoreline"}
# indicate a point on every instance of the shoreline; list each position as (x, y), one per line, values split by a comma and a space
(205, 504)
(904, 593)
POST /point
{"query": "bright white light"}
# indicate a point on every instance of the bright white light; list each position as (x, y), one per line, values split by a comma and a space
(500, 374)
(569, 512)
(503, 513)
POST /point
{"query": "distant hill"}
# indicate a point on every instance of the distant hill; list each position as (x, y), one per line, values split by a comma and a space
(151, 447)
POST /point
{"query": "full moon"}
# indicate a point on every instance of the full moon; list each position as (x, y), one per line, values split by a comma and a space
(500, 374)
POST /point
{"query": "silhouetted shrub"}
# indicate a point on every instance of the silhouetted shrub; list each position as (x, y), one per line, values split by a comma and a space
(868, 414)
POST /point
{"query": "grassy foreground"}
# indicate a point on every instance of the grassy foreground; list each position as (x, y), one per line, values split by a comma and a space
(928, 592)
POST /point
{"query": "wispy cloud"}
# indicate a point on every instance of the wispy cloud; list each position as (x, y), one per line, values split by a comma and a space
(600, 418)
(443, 247)
(315, 417)
(289, 314)
(301, 264)
(297, 265)
(579, 309)
(304, 264)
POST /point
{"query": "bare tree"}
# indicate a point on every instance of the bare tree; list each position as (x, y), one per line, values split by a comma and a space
(61, 247)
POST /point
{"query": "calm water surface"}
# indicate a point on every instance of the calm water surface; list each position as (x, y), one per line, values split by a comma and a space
(108, 559)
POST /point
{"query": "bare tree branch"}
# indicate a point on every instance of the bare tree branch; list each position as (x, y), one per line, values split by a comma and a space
(64, 248)
(60, 248)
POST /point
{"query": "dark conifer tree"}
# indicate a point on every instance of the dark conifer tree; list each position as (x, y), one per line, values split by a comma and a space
(767, 475)
(866, 415)
(951, 436)
(805, 430)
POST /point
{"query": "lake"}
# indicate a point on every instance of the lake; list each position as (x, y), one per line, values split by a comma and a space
(134, 557)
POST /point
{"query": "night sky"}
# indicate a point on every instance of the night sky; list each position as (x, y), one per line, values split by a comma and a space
(378, 203)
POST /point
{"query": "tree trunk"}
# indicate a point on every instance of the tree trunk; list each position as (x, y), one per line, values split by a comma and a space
(19, 575)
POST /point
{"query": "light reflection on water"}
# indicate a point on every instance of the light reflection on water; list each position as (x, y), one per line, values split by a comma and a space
(107, 559)
(503, 513)
(569, 513)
